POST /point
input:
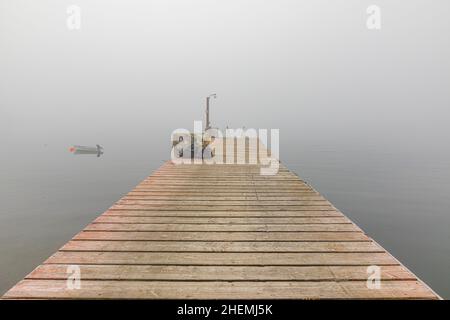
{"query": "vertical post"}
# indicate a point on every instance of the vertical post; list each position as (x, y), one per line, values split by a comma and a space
(207, 125)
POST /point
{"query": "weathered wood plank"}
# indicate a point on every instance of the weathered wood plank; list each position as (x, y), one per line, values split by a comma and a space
(222, 236)
(197, 193)
(226, 183)
(219, 203)
(220, 246)
(207, 198)
(225, 214)
(222, 258)
(180, 207)
(263, 186)
(220, 290)
(207, 220)
(220, 273)
(220, 227)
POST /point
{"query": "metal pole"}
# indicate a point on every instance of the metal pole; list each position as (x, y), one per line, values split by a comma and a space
(207, 114)
(208, 124)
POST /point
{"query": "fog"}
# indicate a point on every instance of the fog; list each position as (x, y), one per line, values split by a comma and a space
(362, 113)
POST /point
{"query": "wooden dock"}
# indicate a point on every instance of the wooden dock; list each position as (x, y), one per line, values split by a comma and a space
(221, 232)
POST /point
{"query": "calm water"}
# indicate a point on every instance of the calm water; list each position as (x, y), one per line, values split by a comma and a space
(400, 200)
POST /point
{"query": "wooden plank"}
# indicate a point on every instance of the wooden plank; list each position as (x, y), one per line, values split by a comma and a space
(220, 246)
(219, 203)
(197, 193)
(220, 227)
(194, 182)
(224, 193)
(222, 236)
(213, 178)
(214, 186)
(222, 258)
(225, 214)
(207, 220)
(174, 207)
(219, 290)
(176, 197)
(220, 273)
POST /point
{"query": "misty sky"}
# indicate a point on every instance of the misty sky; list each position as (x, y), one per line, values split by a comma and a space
(136, 70)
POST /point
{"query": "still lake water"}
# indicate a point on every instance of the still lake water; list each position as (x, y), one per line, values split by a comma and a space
(47, 195)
